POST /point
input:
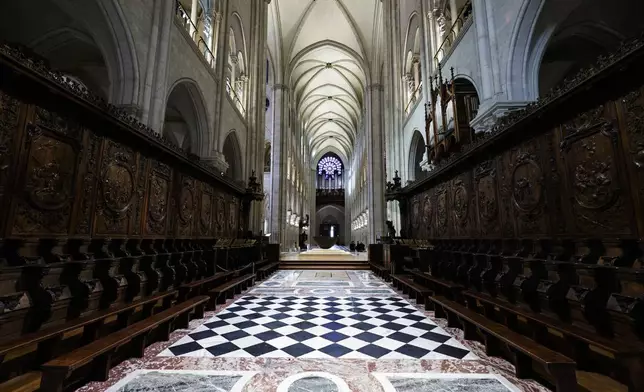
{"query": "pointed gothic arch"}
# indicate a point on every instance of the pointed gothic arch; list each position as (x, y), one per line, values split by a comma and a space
(232, 153)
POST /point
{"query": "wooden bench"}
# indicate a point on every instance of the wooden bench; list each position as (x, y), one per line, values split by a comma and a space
(227, 290)
(47, 342)
(99, 354)
(265, 271)
(28, 382)
(201, 286)
(525, 353)
(578, 343)
(380, 270)
(406, 284)
(437, 286)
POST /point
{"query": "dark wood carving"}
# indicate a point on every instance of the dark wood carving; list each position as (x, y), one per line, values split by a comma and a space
(97, 209)
(544, 216)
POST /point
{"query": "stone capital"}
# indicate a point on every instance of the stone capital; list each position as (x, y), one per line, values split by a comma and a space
(234, 58)
(375, 86)
(280, 87)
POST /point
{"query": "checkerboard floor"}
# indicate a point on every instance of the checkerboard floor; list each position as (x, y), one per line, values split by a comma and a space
(315, 327)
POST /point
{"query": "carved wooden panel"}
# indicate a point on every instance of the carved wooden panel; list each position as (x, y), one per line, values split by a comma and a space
(117, 189)
(220, 211)
(442, 213)
(593, 164)
(158, 194)
(487, 200)
(206, 211)
(524, 191)
(9, 137)
(186, 207)
(48, 179)
(89, 183)
(632, 106)
(427, 220)
(462, 206)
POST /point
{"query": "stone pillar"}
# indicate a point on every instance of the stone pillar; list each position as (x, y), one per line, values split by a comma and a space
(279, 164)
(214, 36)
(375, 167)
(483, 43)
(426, 50)
(221, 64)
(155, 87)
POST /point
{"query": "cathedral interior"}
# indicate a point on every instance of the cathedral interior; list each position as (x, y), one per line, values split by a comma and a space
(321, 195)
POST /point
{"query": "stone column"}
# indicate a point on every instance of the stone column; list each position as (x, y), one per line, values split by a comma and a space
(220, 69)
(375, 167)
(279, 163)
(426, 50)
(214, 36)
(483, 43)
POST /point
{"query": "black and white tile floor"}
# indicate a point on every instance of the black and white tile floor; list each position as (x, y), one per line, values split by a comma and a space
(320, 327)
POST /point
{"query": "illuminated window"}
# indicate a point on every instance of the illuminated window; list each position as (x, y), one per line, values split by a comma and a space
(330, 166)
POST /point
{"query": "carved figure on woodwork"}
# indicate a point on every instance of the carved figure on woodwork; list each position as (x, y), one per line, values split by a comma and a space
(461, 202)
(415, 212)
(51, 173)
(427, 210)
(118, 187)
(441, 211)
(186, 203)
(486, 195)
(527, 183)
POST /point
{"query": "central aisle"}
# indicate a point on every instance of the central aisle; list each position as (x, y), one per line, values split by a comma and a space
(315, 331)
(315, 314)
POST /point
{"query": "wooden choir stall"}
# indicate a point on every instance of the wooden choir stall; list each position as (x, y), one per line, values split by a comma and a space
(529, 237)
(112, 236)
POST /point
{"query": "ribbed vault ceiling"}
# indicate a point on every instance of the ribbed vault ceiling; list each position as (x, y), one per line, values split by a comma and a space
(322, 47)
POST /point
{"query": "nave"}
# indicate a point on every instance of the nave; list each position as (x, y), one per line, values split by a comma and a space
(321, 331)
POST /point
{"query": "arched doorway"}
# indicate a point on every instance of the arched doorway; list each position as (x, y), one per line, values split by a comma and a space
(87, 40)
(185, 118)
(416, 156)
(232, 154)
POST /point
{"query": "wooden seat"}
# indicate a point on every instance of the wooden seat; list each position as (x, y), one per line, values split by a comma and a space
(525, 353)
(583, 342)
(439, 287)
(265, 271)
(200, 287)
(380, 270)
(47, 341)
(27, 382)
(227, 290)
(406, 284)
(99, 353)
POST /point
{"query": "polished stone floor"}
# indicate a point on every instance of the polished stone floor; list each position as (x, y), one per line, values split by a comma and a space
(316, 331)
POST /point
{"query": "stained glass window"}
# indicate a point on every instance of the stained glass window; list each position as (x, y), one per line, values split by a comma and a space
(330, 166)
